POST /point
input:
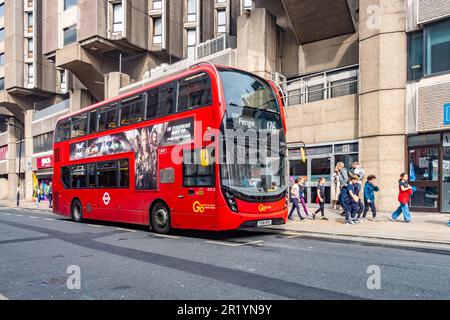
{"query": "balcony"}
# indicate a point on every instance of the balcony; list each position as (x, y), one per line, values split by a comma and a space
(51, 110)
(322, 86)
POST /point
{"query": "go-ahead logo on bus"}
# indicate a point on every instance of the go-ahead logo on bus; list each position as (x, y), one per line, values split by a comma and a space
(263, 208)
(198, 207)
(106, 198)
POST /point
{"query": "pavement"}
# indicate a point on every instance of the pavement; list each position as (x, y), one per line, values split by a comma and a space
(425, 228)
(47, 256)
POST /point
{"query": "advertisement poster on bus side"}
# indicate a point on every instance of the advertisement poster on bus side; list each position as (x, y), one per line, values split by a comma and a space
(143, 141)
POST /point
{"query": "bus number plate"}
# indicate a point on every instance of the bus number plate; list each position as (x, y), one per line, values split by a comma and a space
(264, 223)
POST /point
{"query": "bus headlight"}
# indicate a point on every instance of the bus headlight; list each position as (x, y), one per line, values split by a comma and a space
(231, 202)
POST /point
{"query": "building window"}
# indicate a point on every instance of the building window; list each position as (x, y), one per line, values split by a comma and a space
(2, 59)
(415, 56)
(117, 17)
(30, 73)
(191, 42)
(62, 79)
(30, 3)
(69, 4)
(2, 10)
(43, 142)
(191, 10)
(30, 22)
(2, 34)
(157, 4)
(221, 21)
(70, 35)
(30, 47)
(157, 31)
(247, 4)
(438, 47)
(2, 83)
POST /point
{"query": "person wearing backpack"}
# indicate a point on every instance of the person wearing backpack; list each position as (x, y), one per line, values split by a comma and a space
(405, 192)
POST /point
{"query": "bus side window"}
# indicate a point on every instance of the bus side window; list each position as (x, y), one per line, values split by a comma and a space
(79, 177)
(63, 130)
(131, 111)
(79, 124)
(107, 174)
(91, 172)
(65, 176)
(194, 92)
(167, 99)
(152, 103)
(108, 118)
(93, 116)
(124, 173)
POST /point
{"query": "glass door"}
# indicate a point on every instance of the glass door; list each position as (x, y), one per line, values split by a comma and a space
(318, 166)
(446, 180)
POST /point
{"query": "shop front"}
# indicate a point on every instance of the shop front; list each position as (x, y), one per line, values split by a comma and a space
(320, 162)
(42, 175)
(429, 170)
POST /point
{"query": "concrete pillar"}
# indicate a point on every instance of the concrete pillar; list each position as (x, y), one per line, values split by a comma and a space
(257, 42)
(28, 155)
(113, 82)
(3, 188)
(383, 58)
(80, 98)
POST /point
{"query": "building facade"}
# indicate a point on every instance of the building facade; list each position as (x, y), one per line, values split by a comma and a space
(364, 80)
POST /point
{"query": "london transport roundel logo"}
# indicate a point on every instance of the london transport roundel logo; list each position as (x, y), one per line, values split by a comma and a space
(106, 198)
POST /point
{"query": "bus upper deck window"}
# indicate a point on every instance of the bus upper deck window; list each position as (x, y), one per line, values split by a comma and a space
(79, 125)
(108, 118)
(63, 130)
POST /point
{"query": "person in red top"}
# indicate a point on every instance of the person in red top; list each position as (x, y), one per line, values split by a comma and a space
(405, 191)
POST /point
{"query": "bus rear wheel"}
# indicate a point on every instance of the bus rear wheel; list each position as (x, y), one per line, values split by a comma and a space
(160, 218)
(77, 211)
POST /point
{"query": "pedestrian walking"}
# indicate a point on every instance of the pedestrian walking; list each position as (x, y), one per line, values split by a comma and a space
(320, 199)
(358, 170)
(295, 199)
(405, 192)
(302, 193)
(343, 181)
(351, 201)
(369, 196)
(38, 196)
(335, 188)
(358, 187)
(49, 194)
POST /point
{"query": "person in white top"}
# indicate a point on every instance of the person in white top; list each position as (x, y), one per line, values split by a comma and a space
(295, 199)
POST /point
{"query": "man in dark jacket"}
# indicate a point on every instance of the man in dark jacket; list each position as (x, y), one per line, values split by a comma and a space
(369, 196)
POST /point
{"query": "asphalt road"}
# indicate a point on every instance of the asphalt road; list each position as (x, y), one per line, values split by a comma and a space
(119, 261)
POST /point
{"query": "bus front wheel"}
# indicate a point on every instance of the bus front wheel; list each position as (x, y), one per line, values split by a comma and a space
(76, 210)
(160, 218)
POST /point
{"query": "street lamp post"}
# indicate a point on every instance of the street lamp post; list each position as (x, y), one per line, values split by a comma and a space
(20, 158)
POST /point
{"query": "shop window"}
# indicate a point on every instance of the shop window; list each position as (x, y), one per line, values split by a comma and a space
(425, 197)
(424, 164)
(195, 92)
(107, 174)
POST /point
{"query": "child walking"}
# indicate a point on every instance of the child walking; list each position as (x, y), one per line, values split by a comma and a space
(320, 199)
(351, 201)
(405, 191)
(369, 196)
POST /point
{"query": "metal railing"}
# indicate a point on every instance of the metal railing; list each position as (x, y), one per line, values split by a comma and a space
(58, 107)
(215, 45)
(321, 86)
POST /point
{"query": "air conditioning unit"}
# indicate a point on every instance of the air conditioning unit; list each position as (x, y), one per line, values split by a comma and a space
(278, 78)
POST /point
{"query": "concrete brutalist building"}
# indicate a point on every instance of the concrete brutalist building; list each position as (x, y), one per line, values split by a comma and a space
(365, 80)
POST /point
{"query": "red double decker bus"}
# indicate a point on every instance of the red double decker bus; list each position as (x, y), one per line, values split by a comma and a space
(164, 154)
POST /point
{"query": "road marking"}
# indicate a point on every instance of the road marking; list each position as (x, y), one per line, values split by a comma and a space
(19, 215)
(93, 225)
(33, 217)
(231, 244)
(166, 236)
(128, 230)
(7, 214)
(49, 219)
(2, 297)
(67, 221)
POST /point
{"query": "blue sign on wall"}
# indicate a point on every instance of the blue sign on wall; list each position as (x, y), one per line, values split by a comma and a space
(447, 114)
